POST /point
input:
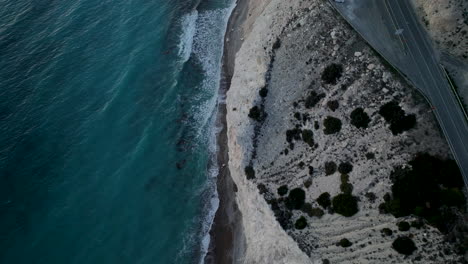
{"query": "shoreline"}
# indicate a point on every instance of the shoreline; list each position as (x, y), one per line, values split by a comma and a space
(226, 232)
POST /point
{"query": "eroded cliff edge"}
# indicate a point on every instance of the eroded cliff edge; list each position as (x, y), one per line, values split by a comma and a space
(299, 76)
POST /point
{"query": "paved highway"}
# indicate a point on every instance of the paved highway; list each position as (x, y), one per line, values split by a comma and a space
(435, 85)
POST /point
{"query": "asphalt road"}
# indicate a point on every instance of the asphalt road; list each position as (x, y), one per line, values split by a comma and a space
(435, 85)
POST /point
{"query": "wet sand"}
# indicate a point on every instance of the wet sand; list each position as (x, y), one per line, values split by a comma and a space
(226, 243)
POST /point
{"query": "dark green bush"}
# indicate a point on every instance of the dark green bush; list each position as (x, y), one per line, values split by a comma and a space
(332, 73)
(344, 242)
(417, 224)
(345, 204)
(262, 188)
(324, 200)
(277, 44)
(301, 223)
(282, 190)
(371, 196)
(249, 172)
(330, 167)
(257, 114)
(397, 118)
(346, 187)
(295, 199)
(359, 118)
(345, 167)
(297, 115)
(429, 185)
(312, 211)
(387, 232)
(333, 105)
(263, 92)
(313, 99)
(293, 134)
(308, 137)
(332, 125)
(404, 245)
(403, 226)
(308, 183)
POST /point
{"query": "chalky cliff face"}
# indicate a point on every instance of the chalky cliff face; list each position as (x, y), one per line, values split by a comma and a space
(308, 117)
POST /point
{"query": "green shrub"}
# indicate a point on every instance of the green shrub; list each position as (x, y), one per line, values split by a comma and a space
(346, 187)
(371, 196)
(263, 92)
(324, 200)
(262, 188)
(308, 137)
(312, 211)
(423, 189)
(293, 134)
(417, 224)
(359, 118)
(387, 231)
(403, 226)
(308, 183)
(257, 114)
(301, 223)
(332, 73)
(313, 99)
(345, 167)
(344, 242)
(332, 125)
(345, 204)
(404, 245)
(277, 44)
(249, 172)
(295, 199)
(396, 117)
(330, 167)
(282, 190)
(333, 105)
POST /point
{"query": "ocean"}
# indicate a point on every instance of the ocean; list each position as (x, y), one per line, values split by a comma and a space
(107, 119)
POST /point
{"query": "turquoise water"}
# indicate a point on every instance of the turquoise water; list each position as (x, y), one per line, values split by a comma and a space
(107, 131)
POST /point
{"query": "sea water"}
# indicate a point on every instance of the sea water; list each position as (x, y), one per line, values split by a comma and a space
(107, 138)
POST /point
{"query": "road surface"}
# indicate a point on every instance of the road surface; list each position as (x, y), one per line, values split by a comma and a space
(412, 53)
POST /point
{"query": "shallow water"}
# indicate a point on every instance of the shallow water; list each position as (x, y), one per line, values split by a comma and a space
(106, 119)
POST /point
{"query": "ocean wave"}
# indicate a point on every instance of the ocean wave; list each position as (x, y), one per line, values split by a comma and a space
(188, 24)
(203, 38)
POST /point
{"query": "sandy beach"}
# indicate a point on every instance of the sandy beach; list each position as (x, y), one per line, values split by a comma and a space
(226, 233)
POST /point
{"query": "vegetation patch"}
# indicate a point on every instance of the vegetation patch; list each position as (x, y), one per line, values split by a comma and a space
(359, 118)
(263, 92)
(330, 167)
(404, 245)
(282, 190)
(312, 211)
(345, 167)
(427, 189)
(257, 114)
(249, 172)
(313, 99)
(301, 223)
(403, 226)
(397, 118)
(295, 199)
(332, 73)
(308, 137)
(345, 204)
(386, 231)
(333, 105)
(332, 125)
(324, 200)
(293, 134)
(344, 243)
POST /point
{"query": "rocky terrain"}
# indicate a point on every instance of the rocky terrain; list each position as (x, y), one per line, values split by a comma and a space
(305, 118)
(447, 23)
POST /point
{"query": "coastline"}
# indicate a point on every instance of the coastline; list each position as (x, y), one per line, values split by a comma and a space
(226, 234)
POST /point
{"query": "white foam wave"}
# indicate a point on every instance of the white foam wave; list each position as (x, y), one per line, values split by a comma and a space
(188, 25)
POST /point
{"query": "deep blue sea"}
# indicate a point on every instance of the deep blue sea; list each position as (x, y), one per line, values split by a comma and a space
(107, 129)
